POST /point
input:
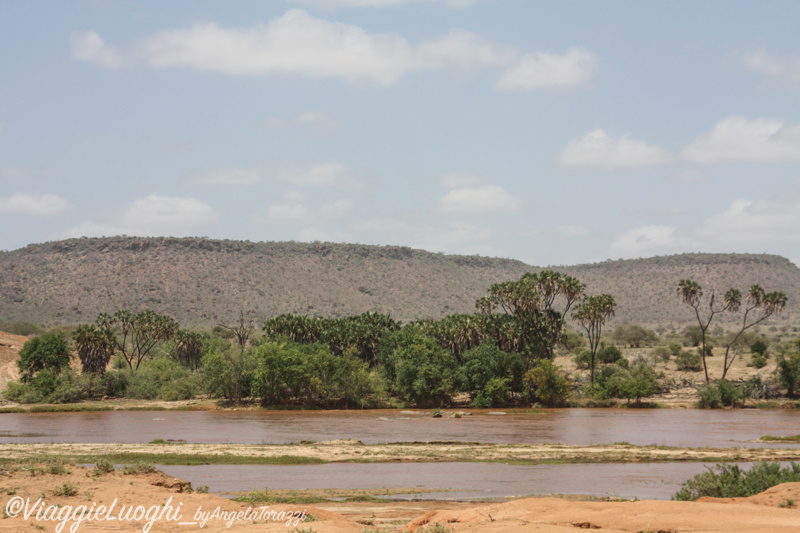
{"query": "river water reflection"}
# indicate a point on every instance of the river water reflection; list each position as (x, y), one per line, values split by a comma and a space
(668, 427)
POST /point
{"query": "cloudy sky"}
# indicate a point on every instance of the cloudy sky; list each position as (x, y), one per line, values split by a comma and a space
(555, 132)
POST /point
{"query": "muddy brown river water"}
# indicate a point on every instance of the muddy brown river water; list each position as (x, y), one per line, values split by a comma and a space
(668, 427)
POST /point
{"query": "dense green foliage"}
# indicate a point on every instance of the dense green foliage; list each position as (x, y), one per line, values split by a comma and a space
(721, 393)
(48, 353)
(730, 481)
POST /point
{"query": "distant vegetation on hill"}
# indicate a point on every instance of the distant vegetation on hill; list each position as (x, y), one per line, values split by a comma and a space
(205, 282)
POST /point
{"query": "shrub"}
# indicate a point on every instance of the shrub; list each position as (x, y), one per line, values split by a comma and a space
(634, 384)
(758, 361)
(546, 385)
(759, 348)
(730, 481)
(675, 348)
(663, 353)
(583, 358)
(608, 355)
(689, 361)
(71, 387)
(722, 393)
(709, 350)
(634, 335)
(162, 378)
(103, 466)
(48, 352)
(788, 373)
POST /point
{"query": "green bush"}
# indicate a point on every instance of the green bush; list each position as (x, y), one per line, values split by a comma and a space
(663, 353)
(638, 382)
(722, 393)
(583, 358)
(689, 361)
(609, 355)
(48, 352)
(71, 387)
(759, 348)
(758, 361)
(788, 373)
(546, 384)
(286, 371)
(162, 378)
(489, 374)
(730, 481)
(675, 348)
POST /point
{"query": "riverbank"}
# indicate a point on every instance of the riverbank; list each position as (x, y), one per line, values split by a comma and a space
(344, 451)
(128, 502)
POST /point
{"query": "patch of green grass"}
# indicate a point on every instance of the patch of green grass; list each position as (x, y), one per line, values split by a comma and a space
(772, 438)
(67, 408)
(67, 489)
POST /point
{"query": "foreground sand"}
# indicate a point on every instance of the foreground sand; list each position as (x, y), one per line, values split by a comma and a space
(767, 512)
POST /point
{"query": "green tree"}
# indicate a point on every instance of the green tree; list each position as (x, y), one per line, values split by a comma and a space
(762, 306)
(188, 348)
(634, 335)
(136, 334)
(788, 373)
(546, 384)
(48, 353)
(489, 374)
(691, 293)
(420, 371)
(591, 314)
(538, 303)
(95, 345)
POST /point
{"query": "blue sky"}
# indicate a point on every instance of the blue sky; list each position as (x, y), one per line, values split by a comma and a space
(555, 132)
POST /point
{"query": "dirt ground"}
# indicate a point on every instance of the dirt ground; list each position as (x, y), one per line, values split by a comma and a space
(160, 503)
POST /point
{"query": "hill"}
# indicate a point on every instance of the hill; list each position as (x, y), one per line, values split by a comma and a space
(206, 282)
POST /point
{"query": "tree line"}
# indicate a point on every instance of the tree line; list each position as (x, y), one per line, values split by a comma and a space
(500, 355)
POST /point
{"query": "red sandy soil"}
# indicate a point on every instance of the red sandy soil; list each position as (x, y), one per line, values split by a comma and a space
(766, 512)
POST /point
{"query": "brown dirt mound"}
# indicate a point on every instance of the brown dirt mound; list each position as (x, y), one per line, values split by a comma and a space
(760, 513)
(10, 345)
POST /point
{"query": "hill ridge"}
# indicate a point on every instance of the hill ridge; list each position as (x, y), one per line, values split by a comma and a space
(204, 281)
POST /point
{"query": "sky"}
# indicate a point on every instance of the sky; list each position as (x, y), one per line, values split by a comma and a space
(553, 132)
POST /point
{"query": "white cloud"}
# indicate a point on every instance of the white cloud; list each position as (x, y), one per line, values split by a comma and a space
(26, 204)
(478, 199)
(298, 43)
(780, 70)
(452, 181)
(466, 49)
(543, 70)
(152, 216)
(90, 47)
(573, 230)
(748, 225)
(597, 149)
(644, 241)
(739, 139)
